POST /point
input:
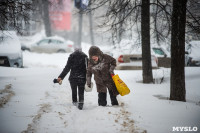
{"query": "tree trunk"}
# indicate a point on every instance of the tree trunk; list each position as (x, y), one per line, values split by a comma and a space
(146, 52)
(80, 29)
(177, 86)
(91, 28)
(47, 24)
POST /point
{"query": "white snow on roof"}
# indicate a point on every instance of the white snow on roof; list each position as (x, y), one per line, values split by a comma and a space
(56, 37)
(9, 42)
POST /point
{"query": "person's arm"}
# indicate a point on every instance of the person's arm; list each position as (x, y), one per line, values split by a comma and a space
(89, 74)
(112, 64)
(66, 69)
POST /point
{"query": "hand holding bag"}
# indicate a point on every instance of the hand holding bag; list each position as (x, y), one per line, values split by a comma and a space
(88, 89)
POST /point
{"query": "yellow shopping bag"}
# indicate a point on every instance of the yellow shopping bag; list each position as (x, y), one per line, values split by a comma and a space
(120, 85)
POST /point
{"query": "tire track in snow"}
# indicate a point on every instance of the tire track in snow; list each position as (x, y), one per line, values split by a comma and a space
(44, 108)
(6, 94)
(42, 122)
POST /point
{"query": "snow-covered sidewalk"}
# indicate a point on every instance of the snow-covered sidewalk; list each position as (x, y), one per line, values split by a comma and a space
(41, 106)
(37, 105)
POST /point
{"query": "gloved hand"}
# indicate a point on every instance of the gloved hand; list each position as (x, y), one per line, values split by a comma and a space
(57, 81)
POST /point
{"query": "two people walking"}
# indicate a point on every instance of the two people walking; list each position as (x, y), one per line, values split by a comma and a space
(99, 64)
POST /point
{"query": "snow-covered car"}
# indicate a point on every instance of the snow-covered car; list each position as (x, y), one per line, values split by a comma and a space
(10, 49)
(133, 62)
(192, 54)
(54, 44)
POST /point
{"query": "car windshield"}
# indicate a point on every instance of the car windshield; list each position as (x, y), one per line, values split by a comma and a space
(43, 42)
(158, 51)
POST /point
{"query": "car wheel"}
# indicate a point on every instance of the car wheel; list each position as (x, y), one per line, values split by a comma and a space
(24, 49)
(28, 49)
(16, 65)
(61, 51)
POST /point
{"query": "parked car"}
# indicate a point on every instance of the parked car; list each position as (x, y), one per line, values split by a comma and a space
(163, 56)
(192, 54)
(133, 62)
(10, 49)
(50, 45)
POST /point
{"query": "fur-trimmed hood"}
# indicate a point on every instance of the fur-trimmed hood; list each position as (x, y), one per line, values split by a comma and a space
(95, 51)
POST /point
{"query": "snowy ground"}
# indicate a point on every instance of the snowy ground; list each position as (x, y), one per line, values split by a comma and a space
(37, 105)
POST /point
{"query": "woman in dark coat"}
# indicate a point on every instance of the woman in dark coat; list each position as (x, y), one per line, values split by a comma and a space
(77, 64)
(102, 66)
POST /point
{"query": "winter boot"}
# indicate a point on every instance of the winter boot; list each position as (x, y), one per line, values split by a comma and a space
(113, 99)
(80, 106)
(74, 103)
(102, 99)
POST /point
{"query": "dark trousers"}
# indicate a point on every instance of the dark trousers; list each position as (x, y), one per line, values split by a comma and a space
(102, 98)
(80, 87)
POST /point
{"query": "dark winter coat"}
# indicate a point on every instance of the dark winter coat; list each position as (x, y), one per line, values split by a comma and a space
(77, 64)
(102, 70)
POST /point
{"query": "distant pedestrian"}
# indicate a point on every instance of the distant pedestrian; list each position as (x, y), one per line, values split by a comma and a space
(102, 66)
(77, 64)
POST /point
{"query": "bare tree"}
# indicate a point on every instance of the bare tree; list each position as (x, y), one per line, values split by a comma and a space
(193, 18)
(13, 12)
(46, 20)
(125, 13)
(129, 12)
(177, 88)
(161, 17)
(162, 13)
(43, 8)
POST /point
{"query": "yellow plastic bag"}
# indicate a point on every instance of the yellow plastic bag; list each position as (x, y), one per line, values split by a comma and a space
(120, 85)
